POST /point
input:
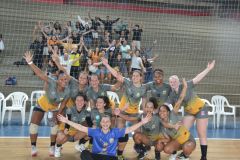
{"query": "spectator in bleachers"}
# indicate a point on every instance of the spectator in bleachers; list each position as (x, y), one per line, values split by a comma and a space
(137, 35)
(136, 62)
(147, 63)
(120, 65)
(2, 48)
(125, 49)
(79, 27)
(37, 48)
(108, 23)
(122, 26)
(95, 27)
(87, 36)
(75, 68)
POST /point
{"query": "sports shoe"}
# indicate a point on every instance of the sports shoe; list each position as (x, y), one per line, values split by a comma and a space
(51, 151)
(142, 155)
(33, 151)
(57, 152)
(120, 157)
(181, 156)
(173, 156)
(80, 147)
(89, 147)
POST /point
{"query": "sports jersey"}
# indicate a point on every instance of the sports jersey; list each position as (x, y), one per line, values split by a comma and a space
(191, 102)
(153, 128)
(102, 91)
(160, 92)
(132, 95)
(105, 143)
(96, 115)
(53, 98)
(182, 134)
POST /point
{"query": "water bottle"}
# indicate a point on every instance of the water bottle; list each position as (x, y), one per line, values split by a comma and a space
(50, 119)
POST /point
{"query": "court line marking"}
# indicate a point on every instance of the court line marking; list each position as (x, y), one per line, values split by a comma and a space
(225, 139)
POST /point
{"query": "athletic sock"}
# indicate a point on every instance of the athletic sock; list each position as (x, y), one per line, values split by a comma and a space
(59, 145)
(82, 141)
(204, 151)
(52, 143)
(119, 153)
(33, 143)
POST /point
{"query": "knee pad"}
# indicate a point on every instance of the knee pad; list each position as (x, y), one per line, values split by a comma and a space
(54, 130)
(123, 139)
(33, 128)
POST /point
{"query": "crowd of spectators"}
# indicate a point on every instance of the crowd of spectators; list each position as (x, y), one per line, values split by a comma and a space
(81, 42)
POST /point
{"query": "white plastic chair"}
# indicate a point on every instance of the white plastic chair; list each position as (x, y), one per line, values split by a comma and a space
(113, 96)
(181, 110)
(221, 103)
(18, 103)
(34, 96)
(1, 101)
(212, 112)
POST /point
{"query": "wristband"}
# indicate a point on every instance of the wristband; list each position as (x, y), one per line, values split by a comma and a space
(31, 62)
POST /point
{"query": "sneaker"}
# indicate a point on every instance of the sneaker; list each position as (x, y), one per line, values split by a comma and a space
(181, 156)
(57, 152)
(89, 147)
(51, 151)
(173, 156)
(142, 155)
(34, 151)
(80, 147)
(120, 157)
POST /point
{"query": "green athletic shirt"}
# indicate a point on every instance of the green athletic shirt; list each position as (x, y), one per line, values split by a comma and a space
(77, 117)
(74, 88)
(134, 94)
(161, 93)
(96, 115)
(53, 95)
(102, 91)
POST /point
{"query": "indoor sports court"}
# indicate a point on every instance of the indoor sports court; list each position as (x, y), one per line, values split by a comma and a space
(183, 35)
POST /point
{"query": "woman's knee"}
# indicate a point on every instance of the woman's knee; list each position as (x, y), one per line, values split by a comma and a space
(188, 148)
(168, 149)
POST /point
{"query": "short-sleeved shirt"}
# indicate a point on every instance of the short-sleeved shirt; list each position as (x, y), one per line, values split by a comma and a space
(76, 116)
(153, 128)
(190, 97)
(161, 93)
(173, 119)
(74, 88)
(96, 115)
(102, 91)
(105, 143)
(54, 96)
(134, 94)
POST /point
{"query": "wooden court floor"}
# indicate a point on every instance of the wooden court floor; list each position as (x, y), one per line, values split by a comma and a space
(19, 149)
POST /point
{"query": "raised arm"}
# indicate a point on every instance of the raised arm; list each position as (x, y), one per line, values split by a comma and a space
(117, 112)
(136, 126)
(79, 127)
(28, 57)
(201, 75)
(113, 71)
(181, 97)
